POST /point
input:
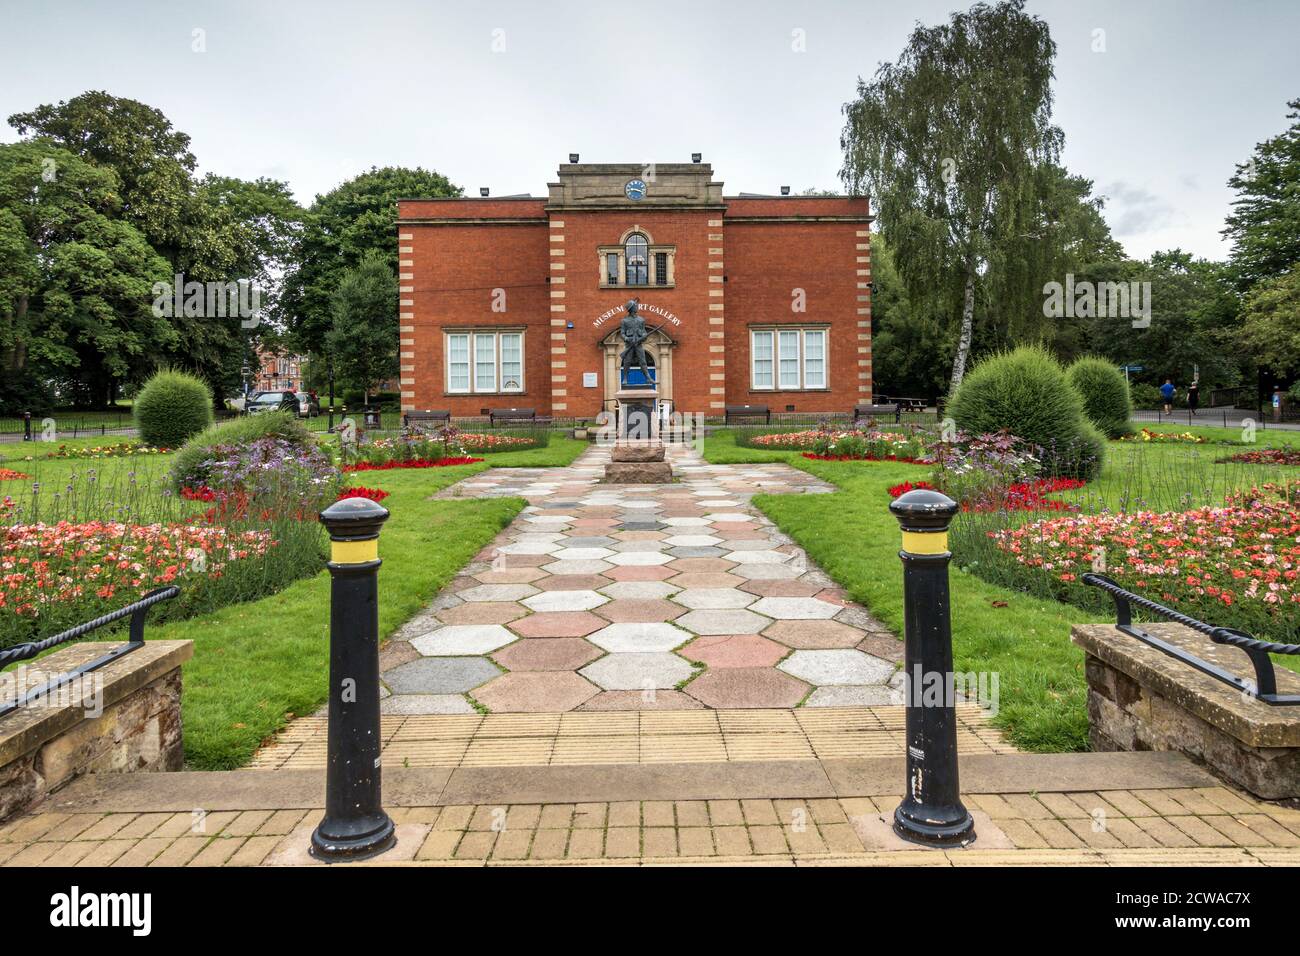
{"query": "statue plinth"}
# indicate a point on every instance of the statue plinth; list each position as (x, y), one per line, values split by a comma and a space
(638, 456)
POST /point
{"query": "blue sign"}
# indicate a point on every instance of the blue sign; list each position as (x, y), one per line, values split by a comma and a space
(635, 378)
(634, 190)
(1133, 368)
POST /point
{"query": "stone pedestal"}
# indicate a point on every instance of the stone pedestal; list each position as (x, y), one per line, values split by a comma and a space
(1140, 698)
(638, 463)
(638, 414)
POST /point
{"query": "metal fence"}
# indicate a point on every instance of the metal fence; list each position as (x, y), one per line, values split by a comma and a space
(1265, 686)
(136, 611)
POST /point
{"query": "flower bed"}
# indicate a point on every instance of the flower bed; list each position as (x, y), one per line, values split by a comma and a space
(1147, 435)
(357, 491)
(123, 449)
(100, 565)
(1022, 496)
(1234, 566)
(413, 463)
(851, 444)
(812, 455)
(8, 474)
(1264, 456)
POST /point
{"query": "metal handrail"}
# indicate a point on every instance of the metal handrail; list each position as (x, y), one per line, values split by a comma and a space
(135, 640)
(1265, 686)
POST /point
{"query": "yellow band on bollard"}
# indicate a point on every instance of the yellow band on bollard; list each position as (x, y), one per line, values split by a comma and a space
(932, 542)
(354, 552)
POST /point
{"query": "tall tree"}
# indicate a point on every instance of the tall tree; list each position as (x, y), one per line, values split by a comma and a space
(363, 338)
(948, 142)
(341, 228)
(75, 279)
(1270, 326)
(1264, 224)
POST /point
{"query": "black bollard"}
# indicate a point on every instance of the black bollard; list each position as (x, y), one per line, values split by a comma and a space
(355, 824)
(931, 812)
(27, 426)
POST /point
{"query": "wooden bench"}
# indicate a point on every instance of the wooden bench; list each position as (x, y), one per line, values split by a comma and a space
(861, 412)
(741, 412)
(907, 404)
(417, 420)
(511, 415)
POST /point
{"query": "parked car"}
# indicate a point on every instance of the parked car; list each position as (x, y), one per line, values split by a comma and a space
(271, 401)
(308, 404)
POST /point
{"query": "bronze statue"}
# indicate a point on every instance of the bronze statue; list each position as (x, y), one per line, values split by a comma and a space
(634, 333)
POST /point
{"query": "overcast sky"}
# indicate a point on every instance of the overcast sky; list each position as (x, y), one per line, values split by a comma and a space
(499, 93)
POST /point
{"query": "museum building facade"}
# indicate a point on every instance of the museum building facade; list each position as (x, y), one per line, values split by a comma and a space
(515, 302)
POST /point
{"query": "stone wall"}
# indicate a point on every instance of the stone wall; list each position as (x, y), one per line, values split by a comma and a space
(123, 717)
(1140, 698)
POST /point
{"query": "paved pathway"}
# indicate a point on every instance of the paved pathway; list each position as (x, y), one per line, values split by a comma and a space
(640, 597)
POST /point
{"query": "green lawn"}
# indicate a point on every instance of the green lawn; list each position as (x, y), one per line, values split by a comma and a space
(1022, 638)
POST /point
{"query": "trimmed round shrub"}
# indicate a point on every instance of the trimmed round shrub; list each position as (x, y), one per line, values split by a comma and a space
(189, 465)
(1026, 392)
(171, 407)
(1105, 393)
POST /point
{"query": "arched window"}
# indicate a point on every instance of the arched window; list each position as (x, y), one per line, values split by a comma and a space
(638, 259)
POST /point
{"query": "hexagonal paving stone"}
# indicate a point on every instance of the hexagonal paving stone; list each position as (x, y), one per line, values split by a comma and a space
(723, 622)
(686, 522)
(728, 517)
(440, 675)
(837, 667)
(510, 576)
(566, 600)
(460, 640)
(548, 519)
(577, 567)
(588, 541)
(795, 609)
(638, 671)
(814, 635)
(570, 582)
(714, 599)
(483, 612)
(767, 572)
(707, 580)
(639, 590)
(558, 624)
(746, 687)
(734, 650)
(413, 704)
(696, 552)
(582, 554)
(702, 565)
(535, 692)
(625, 546)
(657, 573)
(496, 592)
(790, 588)
(692, 541)
(547, 654)
(639, 559)
(639, 638)
(849, 695)
(529, 547)
(758, 557)
(631, 610)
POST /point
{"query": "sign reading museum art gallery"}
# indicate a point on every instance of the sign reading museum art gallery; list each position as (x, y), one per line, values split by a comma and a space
(642, 307)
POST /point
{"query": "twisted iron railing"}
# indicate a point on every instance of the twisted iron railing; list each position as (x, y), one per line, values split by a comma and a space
(1265, 686)
(135, 640)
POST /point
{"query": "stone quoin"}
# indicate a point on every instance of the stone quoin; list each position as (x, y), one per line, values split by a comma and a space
(514, 301)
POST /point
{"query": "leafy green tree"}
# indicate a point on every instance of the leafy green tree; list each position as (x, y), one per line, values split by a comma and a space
(151, 158)
(910, 349)
(948, 141)
(340, 229)
(363, 338)
(75, 279)
(1270, 327)
(1264, 225)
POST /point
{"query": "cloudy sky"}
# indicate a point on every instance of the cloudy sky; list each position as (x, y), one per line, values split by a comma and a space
(498, 93)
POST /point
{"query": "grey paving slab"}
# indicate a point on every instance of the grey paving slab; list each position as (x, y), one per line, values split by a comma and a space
(463, 639)
(723, 622)
(637, 671)
(497, 592)
(639, 590)
(838, 666)
(796, 609)
(440, 675)
(704, 599)
(565, 601)
(639, 638)
(415, 704)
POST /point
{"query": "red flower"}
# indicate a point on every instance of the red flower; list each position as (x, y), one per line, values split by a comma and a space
(357, 491)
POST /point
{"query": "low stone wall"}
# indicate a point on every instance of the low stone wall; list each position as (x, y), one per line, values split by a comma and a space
(1140, 698)
(125, 716)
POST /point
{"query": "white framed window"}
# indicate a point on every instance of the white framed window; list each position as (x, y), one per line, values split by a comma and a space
(788, 359)
(485, 362)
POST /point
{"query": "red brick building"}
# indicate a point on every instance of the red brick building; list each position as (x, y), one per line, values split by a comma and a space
(516, 301)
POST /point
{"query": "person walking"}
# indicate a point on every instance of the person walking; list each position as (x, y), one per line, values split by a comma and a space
(1167, 391)
(1193, 396)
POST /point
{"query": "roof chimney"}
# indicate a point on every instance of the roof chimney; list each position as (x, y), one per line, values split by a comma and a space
(785, 190)
(483, 191)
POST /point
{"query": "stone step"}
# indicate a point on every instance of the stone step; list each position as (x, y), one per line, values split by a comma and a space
(734, 780)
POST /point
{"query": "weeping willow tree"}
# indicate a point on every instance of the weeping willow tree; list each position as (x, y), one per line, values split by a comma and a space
(950, 142)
